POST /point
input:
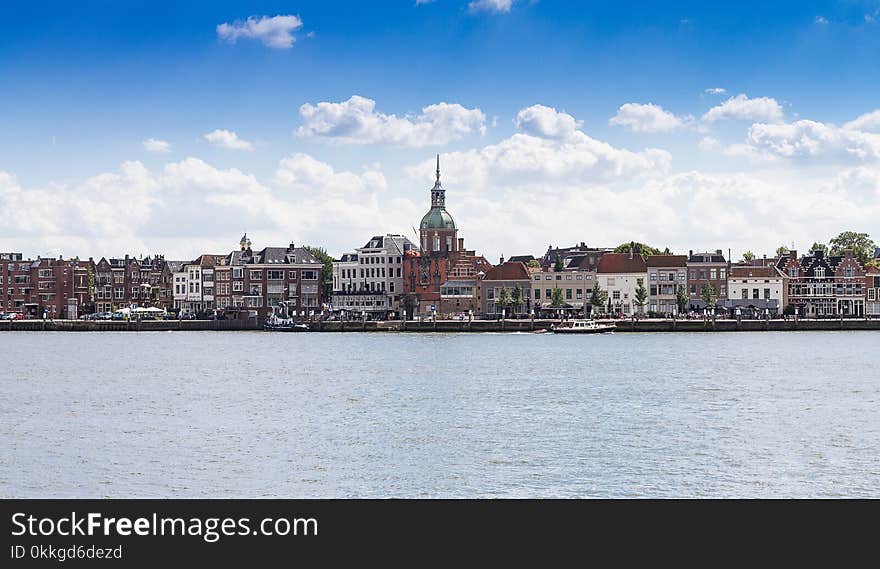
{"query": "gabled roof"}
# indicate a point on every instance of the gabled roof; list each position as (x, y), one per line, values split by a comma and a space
(621, 263)
(521, 259)
(707, 257)
(508, 272)
(667, 261)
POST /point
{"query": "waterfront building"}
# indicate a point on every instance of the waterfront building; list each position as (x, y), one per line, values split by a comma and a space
(575, 281)
(754, 290)
(704, 269)
(822, 286)
(58, 288)
(620, 275)
(666, 273)
(194, 290)
(441, 258)
(284, 280)
(496, 290)
(131, 281)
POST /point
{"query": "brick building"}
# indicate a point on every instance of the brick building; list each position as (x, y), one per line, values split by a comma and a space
(821, 286)
(507, 276)
(709, 268)
(58, 288)
(142, 282)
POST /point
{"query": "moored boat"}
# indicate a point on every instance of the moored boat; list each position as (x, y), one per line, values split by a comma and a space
(582, 327)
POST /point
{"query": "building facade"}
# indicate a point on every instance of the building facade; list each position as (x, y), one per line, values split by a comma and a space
(666, 273)
(371, 280)
(497, 288)
(824, 286)
(620, 275)
(56, 288)
(755, 290)
(872, 291)
(132, 281)
(705, 269)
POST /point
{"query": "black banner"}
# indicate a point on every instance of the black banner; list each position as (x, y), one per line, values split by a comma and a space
(128, 532)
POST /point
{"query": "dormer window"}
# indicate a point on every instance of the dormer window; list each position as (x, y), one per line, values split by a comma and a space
(793, 272)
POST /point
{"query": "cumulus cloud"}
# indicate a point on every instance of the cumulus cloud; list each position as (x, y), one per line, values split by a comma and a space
(546, 122)
(716, 91)
(866, 122)
(645, 118)
(356, 121)
(275, 31)
(811, 139)
(496, 6)
(741, 107)
(155, 145)
(227, 139)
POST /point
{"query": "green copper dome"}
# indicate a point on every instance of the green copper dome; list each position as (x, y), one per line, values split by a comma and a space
(437, 218)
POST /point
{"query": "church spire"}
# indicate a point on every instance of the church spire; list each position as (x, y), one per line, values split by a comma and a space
(438, 194)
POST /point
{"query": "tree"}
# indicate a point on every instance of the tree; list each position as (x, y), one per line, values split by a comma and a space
(639, 249)
(873, 264)
(860, 243)
(781, 250)
(558, 266)
(516, 296)
(681, 298)
(503, 298)
(556, 301)
(641, 298)
(819, 247)
(748, 256)
(708, 295)
(326, 272)
(599, 297)
(533, 264)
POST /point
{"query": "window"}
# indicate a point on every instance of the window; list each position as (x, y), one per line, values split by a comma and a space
(256, 275)
(615, 295)
(847, 272)
(793, 272)
(766, 294)
(310, 275)
(580, 277)
(819, 273)
(745, 293)
(693, 274)
(237, 286)
(237, 273)
(548, 293)
(653, 276)
(703, 274)
(611, 281)
(537, 294)
(713, 274)
(756, 294)
(275, 275)
(45, 273)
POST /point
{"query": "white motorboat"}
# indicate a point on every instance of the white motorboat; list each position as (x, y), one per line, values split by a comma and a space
(582, 327)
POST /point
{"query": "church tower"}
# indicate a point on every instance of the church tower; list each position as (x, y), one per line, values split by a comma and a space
(438, 233)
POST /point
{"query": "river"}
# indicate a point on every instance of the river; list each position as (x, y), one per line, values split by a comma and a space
(254, 414)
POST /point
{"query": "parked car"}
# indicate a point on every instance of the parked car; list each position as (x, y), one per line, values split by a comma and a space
(117, 316)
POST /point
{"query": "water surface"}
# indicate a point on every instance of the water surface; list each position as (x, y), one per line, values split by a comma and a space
(252, 414)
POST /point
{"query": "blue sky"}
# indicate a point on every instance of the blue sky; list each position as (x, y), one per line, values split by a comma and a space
(84, 85)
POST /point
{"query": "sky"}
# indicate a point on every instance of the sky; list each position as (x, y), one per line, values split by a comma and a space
(174, 127)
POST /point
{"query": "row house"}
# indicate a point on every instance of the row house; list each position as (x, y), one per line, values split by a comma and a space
(194, 284)
(497, 286)
(280, 280)
(704, 269)
(576, 281)
(820, 286)
(370, 281)
(587, 257)
(872, 290)
(132, 281)
(620, 275)
(666, 273)
(755, 289)
(56, 288)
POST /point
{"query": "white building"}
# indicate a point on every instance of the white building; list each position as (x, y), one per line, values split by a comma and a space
(620, 275)
(371, 280)
(194, 285)
(755, 289)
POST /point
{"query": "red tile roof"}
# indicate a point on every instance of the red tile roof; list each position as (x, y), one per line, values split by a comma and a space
(753, 272)
(621, 263)
(508, 272)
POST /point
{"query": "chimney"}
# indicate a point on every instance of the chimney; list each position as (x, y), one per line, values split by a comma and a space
(718, 252)
(630, 251)
(792, 254)
(502, 259)
(291, 247)
(461, 243)
(690, 253)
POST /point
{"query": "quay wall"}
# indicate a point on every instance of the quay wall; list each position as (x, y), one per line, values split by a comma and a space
(439, 326)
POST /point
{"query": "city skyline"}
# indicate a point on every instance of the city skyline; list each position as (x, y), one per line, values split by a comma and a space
(176, 132)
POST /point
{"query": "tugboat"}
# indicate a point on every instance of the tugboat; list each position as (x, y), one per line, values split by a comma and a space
(582, 327)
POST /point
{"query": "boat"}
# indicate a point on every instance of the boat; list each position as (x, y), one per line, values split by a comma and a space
(582, 327)
(276, 324)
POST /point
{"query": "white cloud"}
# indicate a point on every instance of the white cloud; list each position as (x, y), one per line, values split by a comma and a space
(741, 107)
(155, 145)
(811, 139)
(866, 122)
(275, 31)
(546, 122)
(708, 143)
(356, 121)
(716, 91)
(227, 139)
(821, 20)
(496, 6)
(645, 118)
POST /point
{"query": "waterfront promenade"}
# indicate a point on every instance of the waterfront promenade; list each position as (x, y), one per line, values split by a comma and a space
(641, 325)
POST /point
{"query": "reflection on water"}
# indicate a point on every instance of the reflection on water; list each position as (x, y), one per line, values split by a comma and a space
(212, 414)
